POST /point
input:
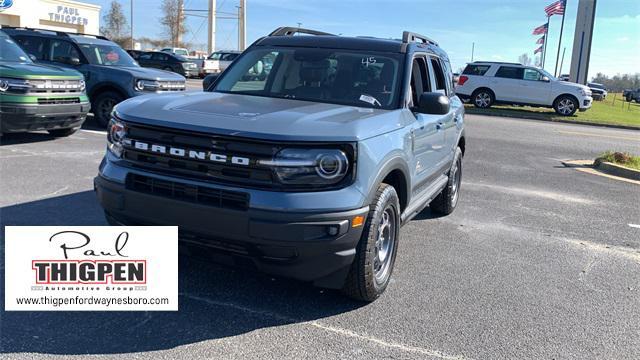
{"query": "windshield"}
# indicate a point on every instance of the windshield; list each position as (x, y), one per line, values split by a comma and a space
(597, 86)
(182, 52)
(11, 52)
(109, 55)
(349, 77)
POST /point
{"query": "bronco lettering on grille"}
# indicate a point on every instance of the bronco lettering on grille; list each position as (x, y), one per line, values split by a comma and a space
(190, 154)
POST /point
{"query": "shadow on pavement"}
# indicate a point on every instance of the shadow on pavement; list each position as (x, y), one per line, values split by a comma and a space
(215, 302)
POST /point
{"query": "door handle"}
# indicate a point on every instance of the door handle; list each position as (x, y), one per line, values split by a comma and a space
(439, 126)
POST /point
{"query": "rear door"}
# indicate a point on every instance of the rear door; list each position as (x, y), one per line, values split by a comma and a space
(426, 133)
(506, 83)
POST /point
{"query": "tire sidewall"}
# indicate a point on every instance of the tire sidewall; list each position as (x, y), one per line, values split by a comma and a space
(478, 92)
(557, 104)
(102, 97)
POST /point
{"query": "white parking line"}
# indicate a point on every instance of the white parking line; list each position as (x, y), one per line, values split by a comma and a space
(635, 226)
(333, 329)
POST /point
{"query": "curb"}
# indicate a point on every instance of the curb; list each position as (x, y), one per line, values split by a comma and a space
(578, 122)
(617, 170)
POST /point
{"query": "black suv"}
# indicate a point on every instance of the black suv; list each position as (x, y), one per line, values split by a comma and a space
(169, 62)
(110, 73)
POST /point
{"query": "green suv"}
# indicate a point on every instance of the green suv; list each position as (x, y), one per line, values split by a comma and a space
(38, 97)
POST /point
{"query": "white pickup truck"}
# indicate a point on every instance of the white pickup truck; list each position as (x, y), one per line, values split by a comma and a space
(219, 61)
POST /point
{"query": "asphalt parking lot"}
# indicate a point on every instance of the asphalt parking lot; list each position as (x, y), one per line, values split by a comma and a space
(539, 261)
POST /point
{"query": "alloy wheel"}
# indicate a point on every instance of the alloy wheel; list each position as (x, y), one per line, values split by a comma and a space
(385, 244)
(483, 100)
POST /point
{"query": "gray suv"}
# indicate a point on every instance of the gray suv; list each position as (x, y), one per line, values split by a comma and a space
(308, 172)
(111, 75)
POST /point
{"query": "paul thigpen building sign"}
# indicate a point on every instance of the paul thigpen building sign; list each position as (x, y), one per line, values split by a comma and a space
(91, 268)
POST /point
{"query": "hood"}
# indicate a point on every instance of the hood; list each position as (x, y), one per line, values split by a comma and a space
(259, 117)
(572, 87)
(36, 71)
(144, 73)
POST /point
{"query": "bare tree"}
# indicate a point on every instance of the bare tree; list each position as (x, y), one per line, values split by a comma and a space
(524, 59)
(173, 21)
(115, 25)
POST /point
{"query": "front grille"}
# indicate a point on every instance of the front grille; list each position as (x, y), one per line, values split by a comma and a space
(251, 175)
(55, 86)
(190, 193)
(45, 101)
(171, 85)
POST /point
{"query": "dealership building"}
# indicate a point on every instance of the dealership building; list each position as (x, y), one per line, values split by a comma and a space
(60, 15)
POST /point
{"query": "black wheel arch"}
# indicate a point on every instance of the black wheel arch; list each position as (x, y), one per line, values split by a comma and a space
(394, 172)
(96, 91)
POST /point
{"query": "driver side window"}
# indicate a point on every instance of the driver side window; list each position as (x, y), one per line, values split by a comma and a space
(63, 51)
(531, 74)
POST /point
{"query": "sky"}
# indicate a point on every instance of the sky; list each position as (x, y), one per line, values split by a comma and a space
(500, 29)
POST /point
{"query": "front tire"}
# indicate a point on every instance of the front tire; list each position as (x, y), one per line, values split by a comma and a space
(103, 106)
(566, 105)
(483, 98)
(376, 252)
(62, 132)
(447, 200)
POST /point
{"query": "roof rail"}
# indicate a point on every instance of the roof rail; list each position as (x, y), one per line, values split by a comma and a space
(290, 31)
(58, 33)
(408, 36)
(495, 62)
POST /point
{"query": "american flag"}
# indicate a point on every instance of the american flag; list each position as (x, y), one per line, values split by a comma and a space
(540, 41)
(557, 8)
(542, 29)
(537, 50)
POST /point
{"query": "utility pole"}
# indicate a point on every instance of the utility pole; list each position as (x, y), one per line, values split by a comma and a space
(473, 49)
(178, 36)
(211, 34)
(132, 44)
(242, 25)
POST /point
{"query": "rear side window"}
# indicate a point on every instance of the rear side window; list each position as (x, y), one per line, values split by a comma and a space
(438, 73)
(63, 51)
(479, 70)
(32, 45)
(510, 72)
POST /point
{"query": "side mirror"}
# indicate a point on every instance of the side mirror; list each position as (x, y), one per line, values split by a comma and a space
(545, 79)
(209, 80)
(433, 103)
(33, 57)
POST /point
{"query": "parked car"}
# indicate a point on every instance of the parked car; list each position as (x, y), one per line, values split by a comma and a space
(219, 61)
(135, 54)
(486, 83)
(176, 51)
(306, 174)
(632, 95)
(111, 75)
(598, 91)
(564, 77)
(38, 97)
(168, 62)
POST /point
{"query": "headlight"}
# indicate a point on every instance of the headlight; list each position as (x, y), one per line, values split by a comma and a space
(188, 65)
(309, 166)
(116, 135)
(14, 85)
(146, 85)
(82, 85)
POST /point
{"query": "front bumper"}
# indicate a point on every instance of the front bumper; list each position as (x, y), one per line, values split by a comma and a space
(317, 246)
(15, 117)
(585, 103)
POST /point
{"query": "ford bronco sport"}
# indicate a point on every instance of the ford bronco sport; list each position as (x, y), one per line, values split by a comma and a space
(308, 172)
(38, 97)
(111, 74)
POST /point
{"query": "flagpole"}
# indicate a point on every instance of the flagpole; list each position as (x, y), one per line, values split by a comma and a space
(555, 73)
(544, 48)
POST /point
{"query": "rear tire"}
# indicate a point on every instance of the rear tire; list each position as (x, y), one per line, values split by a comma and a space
(566, 105)
(62, 132)
(103, 105)
(447, 200)
(483, 98)
(376, 252)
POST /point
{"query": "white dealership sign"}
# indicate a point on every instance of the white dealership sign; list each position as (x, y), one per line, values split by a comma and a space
(89, 268)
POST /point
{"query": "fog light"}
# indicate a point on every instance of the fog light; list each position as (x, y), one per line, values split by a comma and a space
(333, 230)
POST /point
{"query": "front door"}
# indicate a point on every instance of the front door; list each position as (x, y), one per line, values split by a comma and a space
(534, 90)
